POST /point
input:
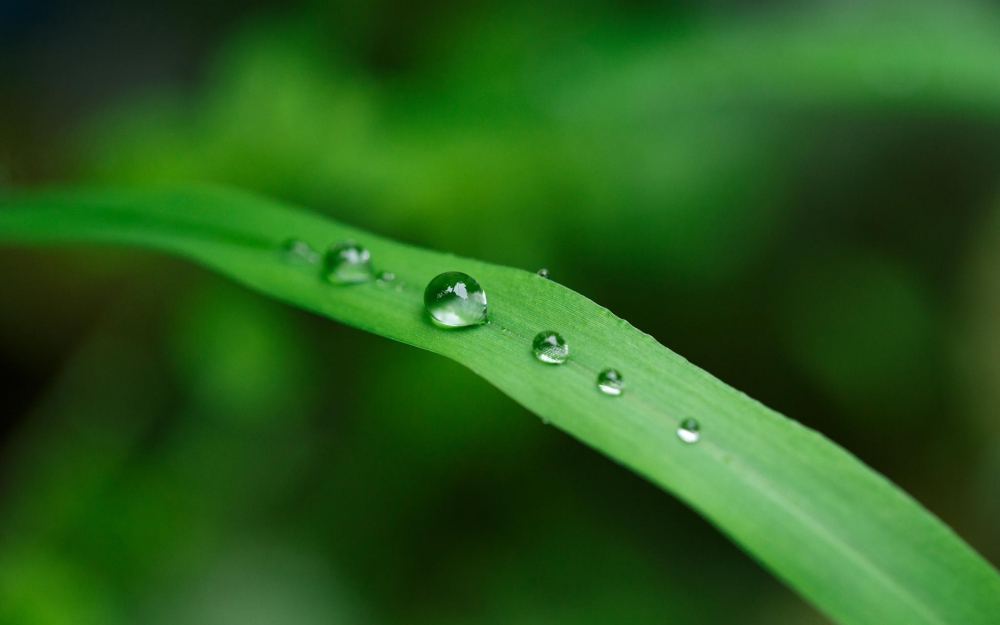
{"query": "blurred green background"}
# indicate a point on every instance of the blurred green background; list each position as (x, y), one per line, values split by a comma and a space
(801, 197)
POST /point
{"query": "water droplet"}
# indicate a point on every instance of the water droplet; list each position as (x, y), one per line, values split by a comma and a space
(544, 273)
(550, 347)
(455, 300)
(384, 278)
(610, 382)
(689, 431)
(348, 263)
(298, 252)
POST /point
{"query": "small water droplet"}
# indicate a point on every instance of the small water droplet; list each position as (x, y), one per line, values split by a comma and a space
(455, 300)
(689, 431)
(298, 252)
(348, 263)
(610, 382)
(550, 348)
(544, 273)
(400, 286)
(384, 278)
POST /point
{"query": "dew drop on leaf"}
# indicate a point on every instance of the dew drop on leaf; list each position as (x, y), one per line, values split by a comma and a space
(348, 263)
(544, 273)
(298, 252)
(550, 348)
(455, 300)
(610, 382)
(689, 431)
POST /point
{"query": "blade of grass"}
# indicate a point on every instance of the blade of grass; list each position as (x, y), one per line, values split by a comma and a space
(847, 539)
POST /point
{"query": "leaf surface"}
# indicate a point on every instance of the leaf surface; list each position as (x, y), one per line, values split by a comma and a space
(843, 536)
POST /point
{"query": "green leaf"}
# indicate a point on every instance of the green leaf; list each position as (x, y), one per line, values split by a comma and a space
(848, 540)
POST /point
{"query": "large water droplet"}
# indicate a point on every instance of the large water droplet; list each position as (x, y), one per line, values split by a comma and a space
(689, 431)
(455, 300)
(298, 252)
(610, 382)
(550, 347)
(544, 273)
(348, 263)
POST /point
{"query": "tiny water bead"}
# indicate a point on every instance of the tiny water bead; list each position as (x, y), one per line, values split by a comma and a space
(689, 431)
(348, 263)
(550, 348)
(298, 252)
(610, 382)
(384, 278)
(455, 300)
(543, 273)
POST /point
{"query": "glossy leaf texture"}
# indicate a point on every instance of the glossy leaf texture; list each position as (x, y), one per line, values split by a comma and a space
(843, 536)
